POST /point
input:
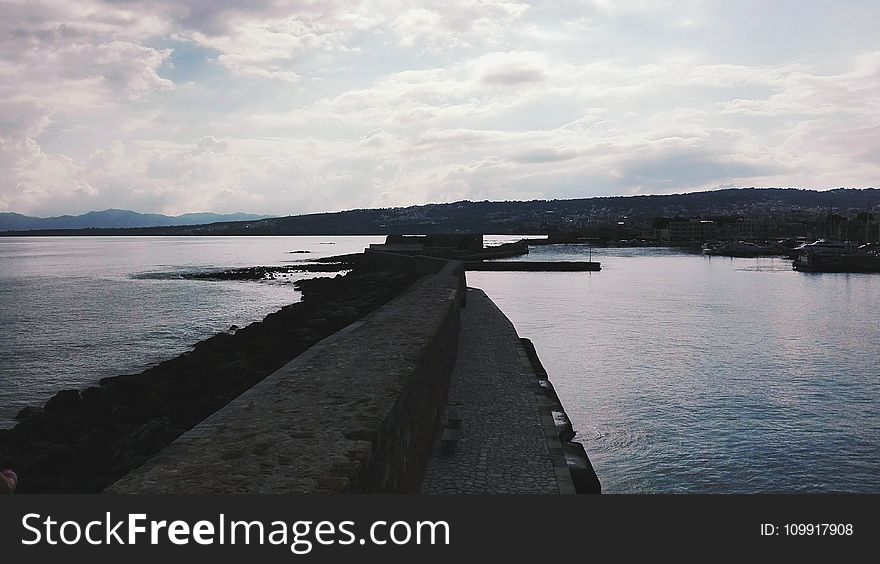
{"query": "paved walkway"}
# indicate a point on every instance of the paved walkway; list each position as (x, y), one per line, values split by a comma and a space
(502, 444)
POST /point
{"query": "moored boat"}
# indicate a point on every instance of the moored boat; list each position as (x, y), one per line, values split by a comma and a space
(835, 256)
(741, 249)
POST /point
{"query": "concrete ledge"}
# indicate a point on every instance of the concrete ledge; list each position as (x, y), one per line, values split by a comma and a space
(355, 413)
(533, 266)
(574, 470)
(506, 443)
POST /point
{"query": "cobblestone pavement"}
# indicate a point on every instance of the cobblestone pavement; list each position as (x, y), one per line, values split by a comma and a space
(502, 446)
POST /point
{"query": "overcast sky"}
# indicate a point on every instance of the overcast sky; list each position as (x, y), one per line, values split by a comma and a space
(293, 106)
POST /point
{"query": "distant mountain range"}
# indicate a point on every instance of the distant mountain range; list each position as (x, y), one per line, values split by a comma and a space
(529, 217)
(115, 219)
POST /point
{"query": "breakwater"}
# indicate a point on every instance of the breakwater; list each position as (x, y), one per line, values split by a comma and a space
(359, 411)
(82, 441)
(533, 266)
(567, 452)
(504, 430)
(355, 413)
(357, 408)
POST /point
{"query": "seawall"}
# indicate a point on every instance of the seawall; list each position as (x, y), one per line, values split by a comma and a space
(356, 413)
(500, 432)
(82, 441)
(533, 266)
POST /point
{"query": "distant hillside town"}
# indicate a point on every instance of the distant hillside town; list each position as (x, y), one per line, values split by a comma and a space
(746, 213)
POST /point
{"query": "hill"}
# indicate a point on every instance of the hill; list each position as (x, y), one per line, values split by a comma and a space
(116, 219)
(530, 217)
(543, 216)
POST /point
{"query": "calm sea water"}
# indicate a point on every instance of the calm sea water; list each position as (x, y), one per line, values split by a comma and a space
(76, 309)
(684, 373)
(681, 373)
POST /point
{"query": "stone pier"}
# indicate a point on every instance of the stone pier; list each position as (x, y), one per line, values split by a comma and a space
(432, 392)
(495, 437)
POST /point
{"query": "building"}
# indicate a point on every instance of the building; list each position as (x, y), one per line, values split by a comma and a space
(443, 245)
(692, 231)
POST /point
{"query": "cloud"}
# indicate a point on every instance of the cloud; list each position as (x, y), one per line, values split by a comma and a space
(65, 63)
(805, 92)
(211, 144)
(514, 76)
(456, 24)
(541, 155)
(289, 106)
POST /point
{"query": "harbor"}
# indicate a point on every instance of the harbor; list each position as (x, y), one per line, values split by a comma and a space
(818, 256)
(739, 336)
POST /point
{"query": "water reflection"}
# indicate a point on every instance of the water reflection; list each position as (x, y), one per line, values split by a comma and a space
(688, 374)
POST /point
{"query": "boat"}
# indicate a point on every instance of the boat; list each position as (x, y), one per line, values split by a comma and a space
(740, 249)
(836, 256)
(824, 247)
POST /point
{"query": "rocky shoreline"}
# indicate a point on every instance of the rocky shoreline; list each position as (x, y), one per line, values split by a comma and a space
(339, 263)
(82, 441)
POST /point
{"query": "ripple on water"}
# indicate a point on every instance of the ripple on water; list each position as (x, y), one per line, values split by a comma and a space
(74, 310)
(684, 374)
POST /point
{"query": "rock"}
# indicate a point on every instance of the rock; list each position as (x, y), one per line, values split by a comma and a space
(91, 473)
(129, 385)
(63, 401)
(92, 443)
(10, 437)
(83, 442)
(98, 401)
(27, 412)
(61, 456)
(147, 439)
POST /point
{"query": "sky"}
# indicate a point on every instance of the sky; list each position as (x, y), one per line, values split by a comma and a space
(294, 106)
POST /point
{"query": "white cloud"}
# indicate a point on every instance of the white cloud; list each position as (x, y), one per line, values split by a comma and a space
(452, 24)
(287, 106)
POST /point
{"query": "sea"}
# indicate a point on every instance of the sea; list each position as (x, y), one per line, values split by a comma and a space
(76, 309)
(681, 373)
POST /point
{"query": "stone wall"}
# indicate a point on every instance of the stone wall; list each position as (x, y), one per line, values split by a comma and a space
(355, 413)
